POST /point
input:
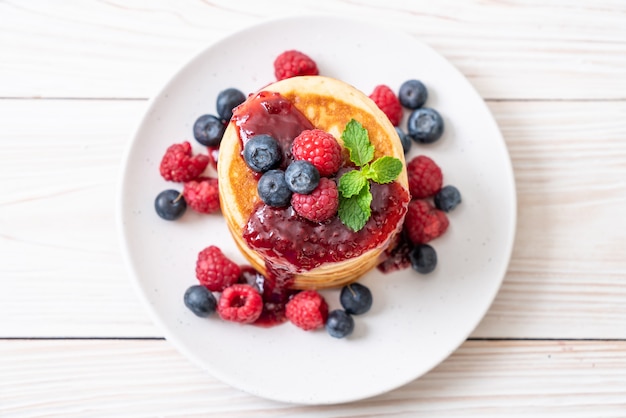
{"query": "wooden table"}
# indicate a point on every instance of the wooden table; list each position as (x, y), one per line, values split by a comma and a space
(75, 78)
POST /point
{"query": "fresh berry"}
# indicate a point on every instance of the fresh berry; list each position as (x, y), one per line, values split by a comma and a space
(302, 177)
(227, 100)
(209, 130)
(423, 258)
(356, 299)
(425, 125)
(412, 94)
(307, 310)
(294, 63)
(319, 205)
(424, 222)
(339, 324)
(406, 140)
(202, 195)
(214, 270)
(425, 177)
(447, 198)
(200, 301)
(240, 303)
(170, 205)
(262, 153)
(387, 101)
(320, 149)
(179, 165)
(273, 190)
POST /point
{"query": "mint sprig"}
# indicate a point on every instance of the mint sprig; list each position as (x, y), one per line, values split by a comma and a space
(356, 139)
(354, 186)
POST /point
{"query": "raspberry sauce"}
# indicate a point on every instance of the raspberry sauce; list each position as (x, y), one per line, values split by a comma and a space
(274, 298)
(280, 234)
(271, 114)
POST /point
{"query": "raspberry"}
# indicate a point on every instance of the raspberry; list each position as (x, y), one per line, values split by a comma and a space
(424, 222)
(240, 303)
(214, 270)
(425, 177)
(294, 63)
(307, 310)
(202, 195)
(388, 102)
(179, 165)
(319, 205)
(320, 149)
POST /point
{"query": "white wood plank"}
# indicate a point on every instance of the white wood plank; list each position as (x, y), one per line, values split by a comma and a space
(69, 48)
(61, 272)
(148, 378)
(566, 277)
(61, 267)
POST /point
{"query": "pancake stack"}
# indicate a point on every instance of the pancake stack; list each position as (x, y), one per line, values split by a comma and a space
(328, 104)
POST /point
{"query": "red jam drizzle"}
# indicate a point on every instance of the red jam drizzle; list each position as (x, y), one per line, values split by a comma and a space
(274, 297)
(397, 255)
(271, 114)
(280, 234)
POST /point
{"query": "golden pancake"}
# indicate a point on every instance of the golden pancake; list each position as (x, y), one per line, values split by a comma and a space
(286, 108)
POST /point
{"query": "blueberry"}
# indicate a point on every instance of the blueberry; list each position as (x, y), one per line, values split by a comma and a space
(227, 100)
(262, 153)
(302, 177)
(425, 125)
(447, 198)
(356, 299)
(412, 94)
(405, 140)
(170, 205)
(273, 189)
(209, 130)
(200, 301)
(339, 324)
(423, 258)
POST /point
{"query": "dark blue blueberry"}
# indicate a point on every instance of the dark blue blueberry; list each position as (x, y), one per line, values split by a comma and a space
(302, 177)
(423, 258)
(170, 204)
(412, 94)
(405, 140)
(273, 189)
(447, 198)
(227, 100)
(262, 153)
(425, 125)
(339, 324)
(200, 301)
(209, 130)
(356, 299)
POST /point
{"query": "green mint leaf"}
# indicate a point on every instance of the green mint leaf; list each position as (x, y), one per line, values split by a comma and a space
(385, 169)
(355, 211)
(355, 138)
(351, 183)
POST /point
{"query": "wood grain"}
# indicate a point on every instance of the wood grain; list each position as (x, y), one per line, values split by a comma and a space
(148, 378)
(60, 174)
(568, 264)
(508, 50)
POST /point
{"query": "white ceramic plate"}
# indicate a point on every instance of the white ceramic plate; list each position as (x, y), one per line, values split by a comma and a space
(416, 321)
